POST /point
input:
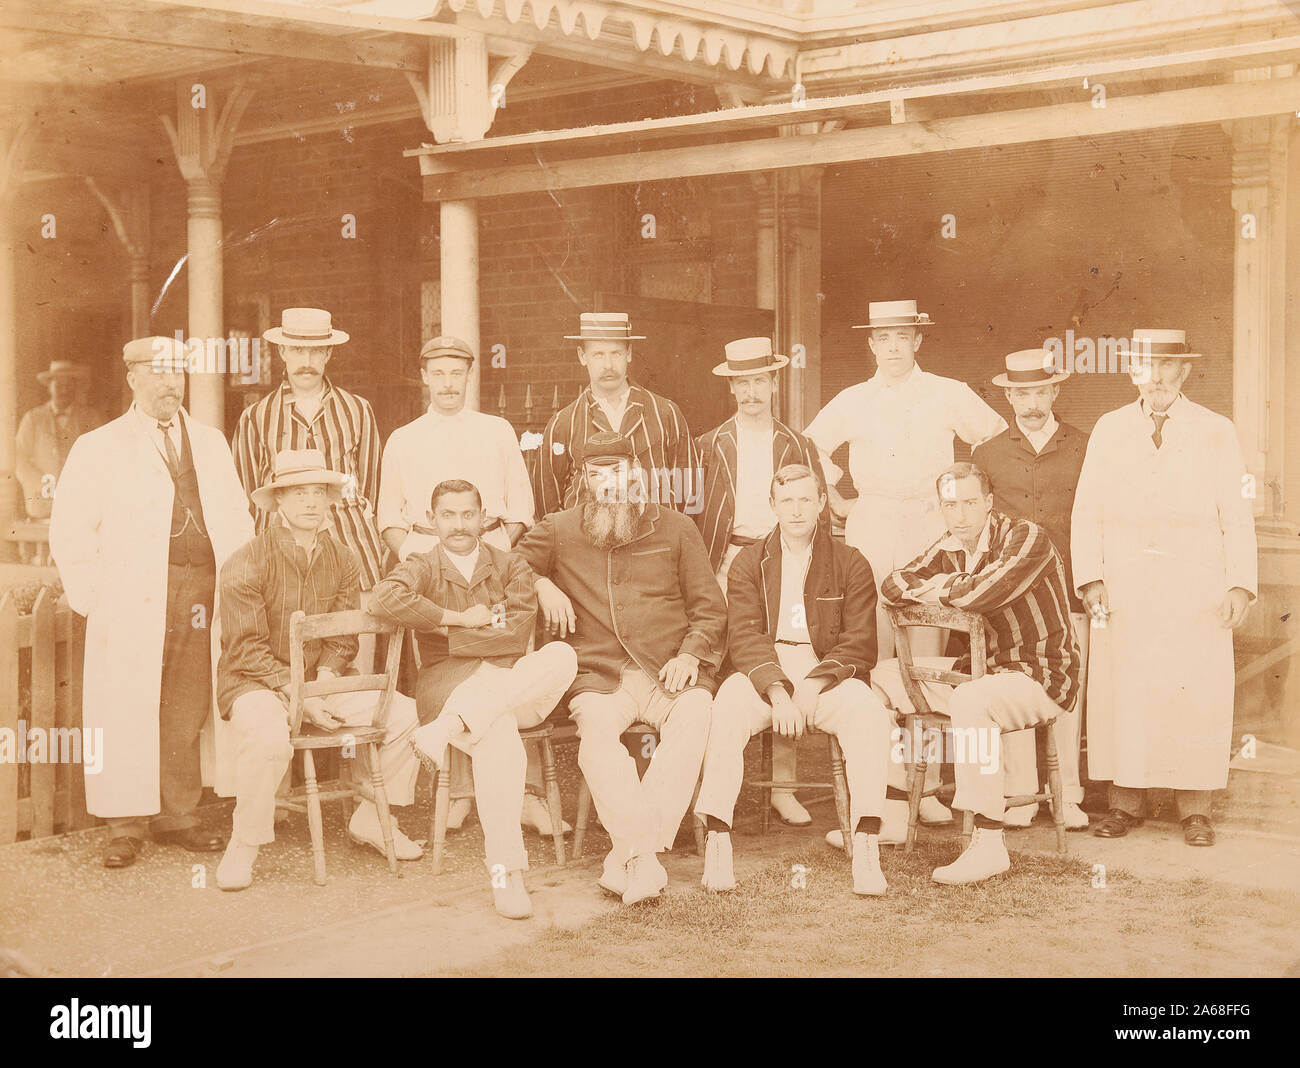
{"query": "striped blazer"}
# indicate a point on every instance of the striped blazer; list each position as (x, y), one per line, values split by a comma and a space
(1017, 583)
(344, 430)
(717, 450)
(660, 437)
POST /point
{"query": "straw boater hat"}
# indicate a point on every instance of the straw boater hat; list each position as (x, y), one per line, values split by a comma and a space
(165, 353)
(305, 326)
(1031, 367)
(604, 326)
(444, 345)
(883, 313)
(749, 356)
(298, 467)
(1158, 343)
(61, 369)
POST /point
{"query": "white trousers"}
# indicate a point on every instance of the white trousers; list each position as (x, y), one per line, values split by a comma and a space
(641, 815)
(494, 703)
(260, 719)
(986, 771)
(850, 711)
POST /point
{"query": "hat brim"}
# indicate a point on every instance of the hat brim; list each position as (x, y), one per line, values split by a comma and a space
(264, 496)
(603, 337)
(1160, 355)
(724, 370)
(276, 337)
(921, 323)
(1005, 382)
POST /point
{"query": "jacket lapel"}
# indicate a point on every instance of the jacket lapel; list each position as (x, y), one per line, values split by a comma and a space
(771, 572)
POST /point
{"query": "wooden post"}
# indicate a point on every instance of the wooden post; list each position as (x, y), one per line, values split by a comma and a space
(458, 273)
(798, 253)
(202, 142)
(1259, 297)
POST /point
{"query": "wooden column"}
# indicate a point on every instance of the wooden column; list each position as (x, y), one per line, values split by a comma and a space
(1259, 194)
(798, 305)
(15, 139)
(202, 141)
(128, 210)
(459, 97)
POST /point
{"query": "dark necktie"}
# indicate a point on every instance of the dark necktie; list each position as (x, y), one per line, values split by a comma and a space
(173, 461)
(1159, 418)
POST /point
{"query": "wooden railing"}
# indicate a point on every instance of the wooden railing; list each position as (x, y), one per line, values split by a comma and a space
(41, 656)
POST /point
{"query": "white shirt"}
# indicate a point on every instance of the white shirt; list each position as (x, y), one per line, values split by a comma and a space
(954, 544)
(474, 446)
(900, 437)
(754, 517)
(464, 564)
(791, 624)
(614, 409)
(156, 435)
(1039, 438)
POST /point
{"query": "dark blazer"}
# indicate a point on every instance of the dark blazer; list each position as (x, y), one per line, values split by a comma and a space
(839, 596)
(717, 449)
(1037, 486)
(644, 602)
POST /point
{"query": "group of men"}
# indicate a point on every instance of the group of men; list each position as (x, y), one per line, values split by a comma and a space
(709, 628)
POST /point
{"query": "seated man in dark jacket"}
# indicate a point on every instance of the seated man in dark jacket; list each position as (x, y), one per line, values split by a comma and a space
(632, 582)
(802, 622)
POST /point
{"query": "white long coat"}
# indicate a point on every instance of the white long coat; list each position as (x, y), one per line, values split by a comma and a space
(1170, 531)
(109, 536)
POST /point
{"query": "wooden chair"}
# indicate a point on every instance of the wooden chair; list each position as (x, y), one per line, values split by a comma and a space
(542, 734)
(642, 731)
(901, 617)
(839, 784)
(308, 738)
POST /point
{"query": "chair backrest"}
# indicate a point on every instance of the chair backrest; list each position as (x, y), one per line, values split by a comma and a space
(304, 628)
(903, 616)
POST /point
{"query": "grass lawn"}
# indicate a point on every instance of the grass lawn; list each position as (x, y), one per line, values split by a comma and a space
(1044, 917)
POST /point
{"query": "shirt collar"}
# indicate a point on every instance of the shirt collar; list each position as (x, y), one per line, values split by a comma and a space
(953, 544)
(1174, 409)
(150, 423)
(1039, 438)
(326, 387)
(913, 376)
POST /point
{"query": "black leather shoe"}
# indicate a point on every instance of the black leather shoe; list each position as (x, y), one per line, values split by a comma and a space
(1116, 824)
(121, 852)
(1197, 831)
(195, 839)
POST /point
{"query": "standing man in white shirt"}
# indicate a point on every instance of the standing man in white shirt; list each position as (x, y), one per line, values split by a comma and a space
(899, 425)
(451, 442)
(739, 459)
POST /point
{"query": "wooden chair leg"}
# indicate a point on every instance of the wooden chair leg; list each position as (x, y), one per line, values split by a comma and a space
(553, 801)
(967, 829)
(314, 821)
(1058, 789)
(765, 774)
(841, 785)
(915, 788)
(381, 806)
(584, 813)
(441, 803)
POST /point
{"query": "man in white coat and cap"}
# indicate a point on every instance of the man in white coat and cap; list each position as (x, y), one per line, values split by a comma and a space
(1163, 545)
(147, 508)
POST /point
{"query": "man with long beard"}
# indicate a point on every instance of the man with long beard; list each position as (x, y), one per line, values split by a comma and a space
(632, 583)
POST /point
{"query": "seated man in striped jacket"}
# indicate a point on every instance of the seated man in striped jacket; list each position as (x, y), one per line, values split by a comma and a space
(1007, 571)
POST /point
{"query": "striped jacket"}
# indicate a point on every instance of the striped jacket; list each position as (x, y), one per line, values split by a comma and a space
(426, 585)
(717, 451)
(1018, 585)
(660, 437)
(344, 430)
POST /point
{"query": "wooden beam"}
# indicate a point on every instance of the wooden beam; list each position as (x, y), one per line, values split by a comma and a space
(1215, 103)
(206, 35)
